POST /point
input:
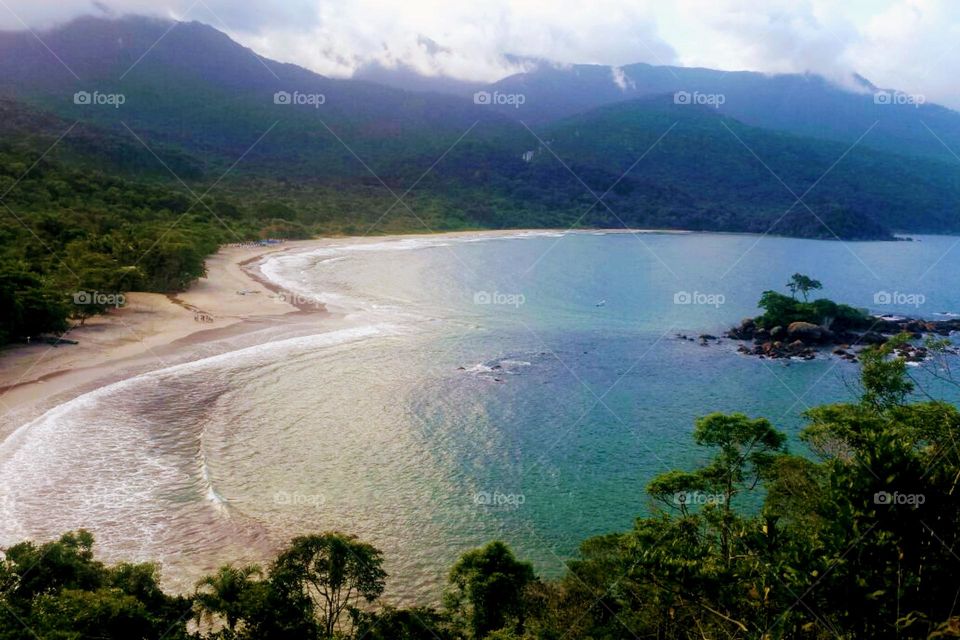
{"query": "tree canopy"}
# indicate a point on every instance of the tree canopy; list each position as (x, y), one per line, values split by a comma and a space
(853, 537)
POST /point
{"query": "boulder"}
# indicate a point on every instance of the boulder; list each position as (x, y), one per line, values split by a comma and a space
(777, 333)
(871, 337)
(806, 331)
(744, 331)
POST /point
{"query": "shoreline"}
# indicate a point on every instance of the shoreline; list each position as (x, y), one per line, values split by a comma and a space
(154, 330)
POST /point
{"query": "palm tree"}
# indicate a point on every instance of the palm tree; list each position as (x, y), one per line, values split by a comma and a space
(221, 594)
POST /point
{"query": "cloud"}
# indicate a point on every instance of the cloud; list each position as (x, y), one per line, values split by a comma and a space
(621, 79)
(470, 40)
(774, 36)
(912, 45)
(435, 37)
(222, 14)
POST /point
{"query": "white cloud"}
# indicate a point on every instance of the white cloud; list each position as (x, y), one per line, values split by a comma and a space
(912, 45)
(621, 79)
(470, 40)
(775, 36)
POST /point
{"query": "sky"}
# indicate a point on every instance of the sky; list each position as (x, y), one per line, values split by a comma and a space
(909, 45)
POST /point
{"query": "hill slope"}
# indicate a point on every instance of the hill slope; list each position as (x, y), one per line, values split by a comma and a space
(202, 102)
(806, 105)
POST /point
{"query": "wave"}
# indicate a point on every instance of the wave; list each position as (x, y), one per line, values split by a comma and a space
(299, 272)
(120, 456)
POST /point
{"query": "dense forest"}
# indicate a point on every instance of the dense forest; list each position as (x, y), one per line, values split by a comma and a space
(93, 214)
(93, 207)
(72, 237)
(856, 540)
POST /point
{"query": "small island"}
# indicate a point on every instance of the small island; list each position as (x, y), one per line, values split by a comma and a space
(795, 327)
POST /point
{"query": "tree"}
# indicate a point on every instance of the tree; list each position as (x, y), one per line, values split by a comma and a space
(746, 450)
(335, 571)
(401, 624)
(803, 284)
(59, 590)
(225, 595)
(487, 587)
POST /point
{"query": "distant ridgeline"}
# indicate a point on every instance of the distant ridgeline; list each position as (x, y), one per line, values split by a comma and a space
(276, 150)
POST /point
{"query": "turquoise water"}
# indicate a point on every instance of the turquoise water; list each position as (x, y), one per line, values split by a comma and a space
(525, 389)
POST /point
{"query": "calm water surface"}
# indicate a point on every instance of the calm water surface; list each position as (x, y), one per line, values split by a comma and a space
(522, 388)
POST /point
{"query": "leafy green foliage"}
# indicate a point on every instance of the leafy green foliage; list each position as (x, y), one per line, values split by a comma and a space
(335, 571)
(781, 310)
(58, 590)
(802, 284)
(856, 540)
(487, 586)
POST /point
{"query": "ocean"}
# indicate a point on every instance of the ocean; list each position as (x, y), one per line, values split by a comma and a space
(523, 388)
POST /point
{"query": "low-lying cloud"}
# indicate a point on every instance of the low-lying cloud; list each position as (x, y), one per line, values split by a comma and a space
(911, 45)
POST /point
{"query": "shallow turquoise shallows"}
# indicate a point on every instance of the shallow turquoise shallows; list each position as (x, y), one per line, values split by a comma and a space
(523, 388)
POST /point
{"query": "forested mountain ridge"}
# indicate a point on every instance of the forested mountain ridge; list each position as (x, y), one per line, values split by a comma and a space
(201, 101)
(108, 142)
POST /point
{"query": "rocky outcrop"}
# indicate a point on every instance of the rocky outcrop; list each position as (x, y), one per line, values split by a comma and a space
(804, 339)
(805, 332)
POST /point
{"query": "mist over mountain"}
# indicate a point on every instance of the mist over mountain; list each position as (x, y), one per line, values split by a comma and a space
(512, 153)
(804, 104)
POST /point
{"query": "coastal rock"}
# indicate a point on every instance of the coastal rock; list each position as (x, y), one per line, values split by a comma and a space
(871, 337)
(805, 331)
(744, 331)
(804, 339)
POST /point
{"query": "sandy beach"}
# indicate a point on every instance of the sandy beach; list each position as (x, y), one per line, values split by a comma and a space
(153, 331)
(149, 332)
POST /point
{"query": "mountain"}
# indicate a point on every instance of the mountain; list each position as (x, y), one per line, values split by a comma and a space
(666, 165)
(806, 104)
(25, 129)
(188, 84)
(205, 105)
